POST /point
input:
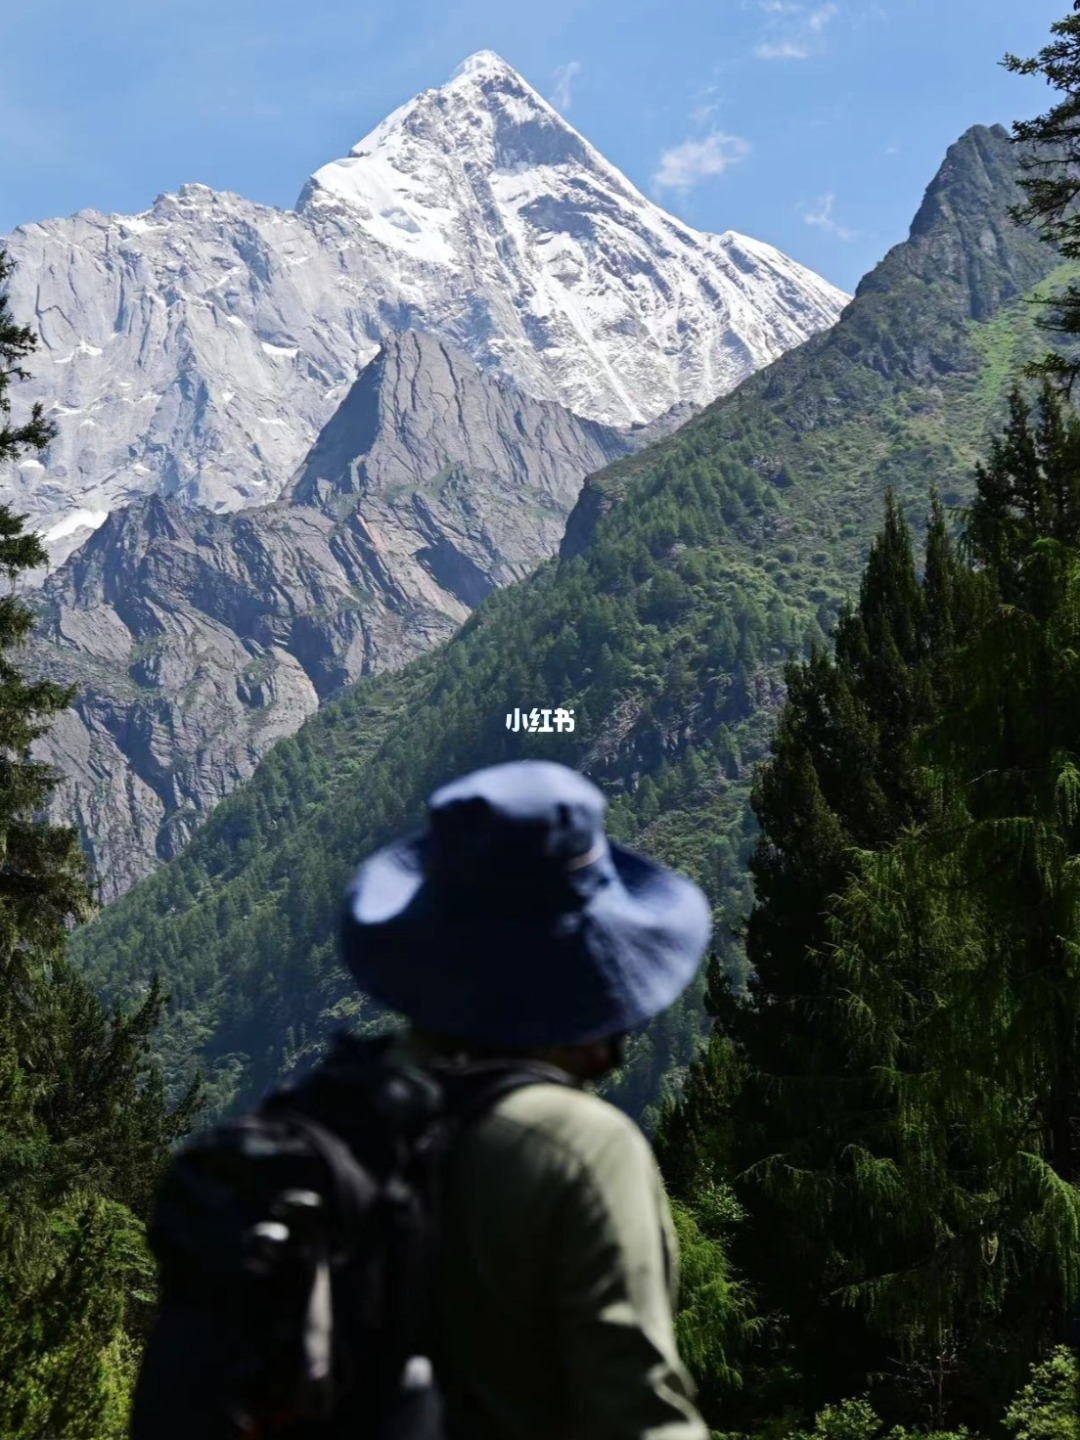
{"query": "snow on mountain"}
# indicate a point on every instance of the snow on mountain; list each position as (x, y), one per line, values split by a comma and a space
(197, 349)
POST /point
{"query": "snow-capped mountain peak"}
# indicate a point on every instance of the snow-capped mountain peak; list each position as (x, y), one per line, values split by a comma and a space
(197, 348)
(484, 62)
(561, 272)
(486, 114)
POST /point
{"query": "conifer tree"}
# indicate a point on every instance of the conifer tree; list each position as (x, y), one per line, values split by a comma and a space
(773, 1104)
(44, 883)
(1052, 179)
(16, 343)
(898, 1104)
(959, 951)
(84, 1125)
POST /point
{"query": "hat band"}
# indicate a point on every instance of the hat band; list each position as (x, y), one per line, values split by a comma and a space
(580, 861)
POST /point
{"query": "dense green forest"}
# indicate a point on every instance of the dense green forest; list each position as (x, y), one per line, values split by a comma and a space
(822, 649)
(719, 554)
(895, 1102)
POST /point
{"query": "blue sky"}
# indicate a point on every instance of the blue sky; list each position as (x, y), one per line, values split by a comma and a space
(812, 124)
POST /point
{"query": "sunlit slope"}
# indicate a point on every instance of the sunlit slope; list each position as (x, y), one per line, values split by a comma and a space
(695, 569)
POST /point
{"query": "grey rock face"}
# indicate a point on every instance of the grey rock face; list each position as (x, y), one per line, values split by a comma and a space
(431, 453)
(196, 350)
(962, 236)
(198, 640)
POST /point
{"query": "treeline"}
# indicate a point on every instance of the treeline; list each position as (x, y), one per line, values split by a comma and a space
(875, 1162)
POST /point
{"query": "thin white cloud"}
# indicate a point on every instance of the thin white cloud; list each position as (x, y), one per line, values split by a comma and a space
(794, 32)
(781, 50)
(818, 19)
(705, 104)
(563, 80)
(820, 214)
(702, 114)
(697, 159)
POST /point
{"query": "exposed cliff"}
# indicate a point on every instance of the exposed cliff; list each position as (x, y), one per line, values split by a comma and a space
(197, 640)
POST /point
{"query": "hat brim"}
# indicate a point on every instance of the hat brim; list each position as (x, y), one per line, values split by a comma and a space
(486, 974)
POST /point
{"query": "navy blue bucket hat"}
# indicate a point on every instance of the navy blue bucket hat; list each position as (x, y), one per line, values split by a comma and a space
(513, 920)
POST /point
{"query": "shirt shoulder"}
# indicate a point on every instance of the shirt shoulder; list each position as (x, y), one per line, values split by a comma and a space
(577, 1125)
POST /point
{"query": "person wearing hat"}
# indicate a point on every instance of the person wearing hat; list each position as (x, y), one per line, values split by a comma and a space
(511, 926)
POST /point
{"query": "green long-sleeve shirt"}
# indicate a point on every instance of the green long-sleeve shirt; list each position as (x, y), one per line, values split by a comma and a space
(558, 1279)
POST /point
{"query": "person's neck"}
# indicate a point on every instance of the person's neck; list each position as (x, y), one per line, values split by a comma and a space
(589, 1062)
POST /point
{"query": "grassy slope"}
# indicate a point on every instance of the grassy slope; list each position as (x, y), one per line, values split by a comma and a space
(724, 550)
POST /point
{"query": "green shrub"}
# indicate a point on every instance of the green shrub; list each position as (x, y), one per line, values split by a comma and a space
(1048, 1407)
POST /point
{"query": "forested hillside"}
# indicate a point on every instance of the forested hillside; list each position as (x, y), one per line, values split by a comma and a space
(691, 574)
(882, 1135)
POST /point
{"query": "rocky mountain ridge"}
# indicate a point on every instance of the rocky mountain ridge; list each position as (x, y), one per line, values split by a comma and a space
(197, 640)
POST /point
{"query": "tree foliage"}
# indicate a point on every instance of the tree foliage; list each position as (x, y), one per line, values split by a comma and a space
(1051, 182)
(84, 1122)
(896, 1102)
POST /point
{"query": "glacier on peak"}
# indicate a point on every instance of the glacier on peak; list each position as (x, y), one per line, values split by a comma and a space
(484, 62)
(386, 127)
(474, 212)
(485, 111)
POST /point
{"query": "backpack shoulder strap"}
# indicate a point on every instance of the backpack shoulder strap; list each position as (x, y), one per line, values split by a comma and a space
(340, 1089)
(472, 1089)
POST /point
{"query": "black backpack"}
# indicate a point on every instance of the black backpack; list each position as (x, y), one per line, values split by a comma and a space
(296, 1251)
